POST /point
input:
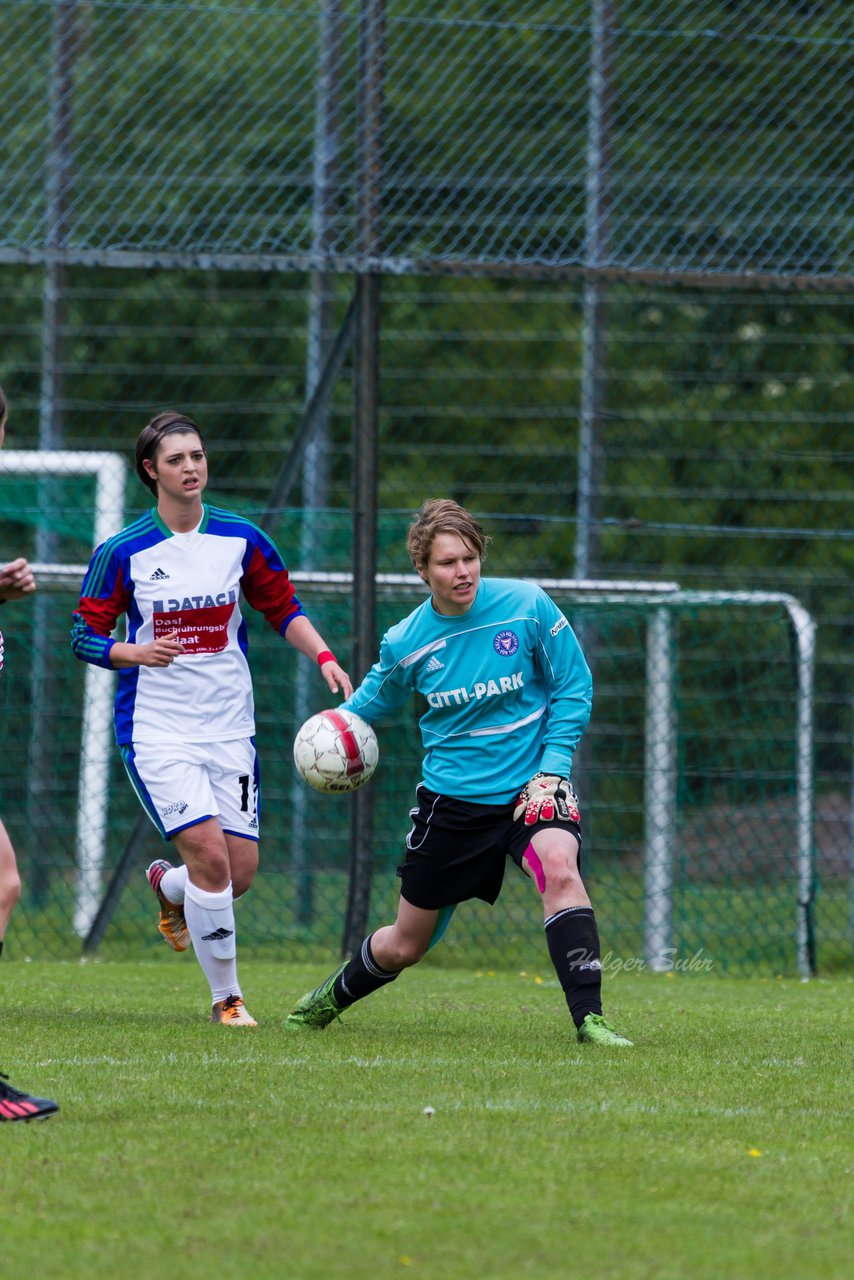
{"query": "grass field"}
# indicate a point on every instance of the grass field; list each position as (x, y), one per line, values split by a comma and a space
(720, 1147)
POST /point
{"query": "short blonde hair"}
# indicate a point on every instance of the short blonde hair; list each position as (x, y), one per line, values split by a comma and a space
(442, 515)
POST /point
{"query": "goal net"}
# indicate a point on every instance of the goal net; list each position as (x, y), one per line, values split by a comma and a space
(695, 778)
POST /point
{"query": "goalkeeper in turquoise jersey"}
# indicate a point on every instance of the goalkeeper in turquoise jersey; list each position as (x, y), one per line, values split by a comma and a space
(508, 695)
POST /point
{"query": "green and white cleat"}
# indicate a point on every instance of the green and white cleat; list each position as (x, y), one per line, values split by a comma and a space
(318, 1008)
(595, 1030)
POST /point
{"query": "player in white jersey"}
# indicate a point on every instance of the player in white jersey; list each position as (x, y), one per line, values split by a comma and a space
(16, 582)
(184, 709)
(508, 696)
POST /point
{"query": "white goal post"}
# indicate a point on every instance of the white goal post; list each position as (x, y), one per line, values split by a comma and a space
(110, 474)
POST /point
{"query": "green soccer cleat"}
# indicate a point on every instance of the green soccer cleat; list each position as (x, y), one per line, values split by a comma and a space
(595, 1030)
(318, 1008)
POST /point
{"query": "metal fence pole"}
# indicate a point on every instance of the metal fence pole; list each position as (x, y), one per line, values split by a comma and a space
(316, 461)
(366, 431)
(44, 696)
(851, 845)
(660, 791)
(593, 347)
(597, 244)
(805, 639)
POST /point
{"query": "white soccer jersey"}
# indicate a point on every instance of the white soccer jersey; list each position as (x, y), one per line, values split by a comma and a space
(189, 583)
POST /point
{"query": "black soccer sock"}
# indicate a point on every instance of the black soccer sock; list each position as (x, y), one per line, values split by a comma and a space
(361, 976)
(574, 948)
(1, 946)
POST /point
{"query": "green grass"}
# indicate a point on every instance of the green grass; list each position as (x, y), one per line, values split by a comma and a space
(719, 1147)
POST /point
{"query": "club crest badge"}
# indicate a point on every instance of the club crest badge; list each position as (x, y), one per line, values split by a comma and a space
(506, 643)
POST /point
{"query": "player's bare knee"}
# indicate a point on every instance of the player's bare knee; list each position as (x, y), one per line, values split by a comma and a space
(241, 881)
(408, 951)
(10, 893)
(209, 873)
(560, 871)
(207, 862)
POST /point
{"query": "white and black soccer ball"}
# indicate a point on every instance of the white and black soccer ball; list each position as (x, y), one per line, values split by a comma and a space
(336, 751)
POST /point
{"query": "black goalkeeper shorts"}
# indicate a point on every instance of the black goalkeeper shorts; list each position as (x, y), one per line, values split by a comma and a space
(458, 849)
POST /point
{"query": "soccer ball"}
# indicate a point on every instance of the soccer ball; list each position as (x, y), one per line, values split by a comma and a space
(336, 751)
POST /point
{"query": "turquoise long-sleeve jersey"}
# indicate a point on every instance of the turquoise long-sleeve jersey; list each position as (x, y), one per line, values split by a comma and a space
(508, 690)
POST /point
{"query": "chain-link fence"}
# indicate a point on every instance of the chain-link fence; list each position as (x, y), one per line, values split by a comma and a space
(736, 479)
(444, 134)
(189, 187)
(696, 780)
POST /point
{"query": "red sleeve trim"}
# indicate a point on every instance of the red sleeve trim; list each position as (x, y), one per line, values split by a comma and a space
(102, 613)
(270, 591)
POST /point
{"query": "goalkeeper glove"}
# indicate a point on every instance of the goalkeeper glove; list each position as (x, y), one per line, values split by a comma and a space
(546, 797)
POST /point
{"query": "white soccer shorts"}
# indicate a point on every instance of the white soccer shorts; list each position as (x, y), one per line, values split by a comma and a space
(184, 783)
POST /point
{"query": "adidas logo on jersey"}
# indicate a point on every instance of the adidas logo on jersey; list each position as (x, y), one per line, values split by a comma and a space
(158, 576)
(434, 665)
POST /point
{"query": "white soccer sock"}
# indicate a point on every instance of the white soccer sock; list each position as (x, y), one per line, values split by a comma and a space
(173, 884)
(210, 920)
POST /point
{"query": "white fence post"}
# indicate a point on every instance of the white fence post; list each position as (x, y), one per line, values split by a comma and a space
(659, 792)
